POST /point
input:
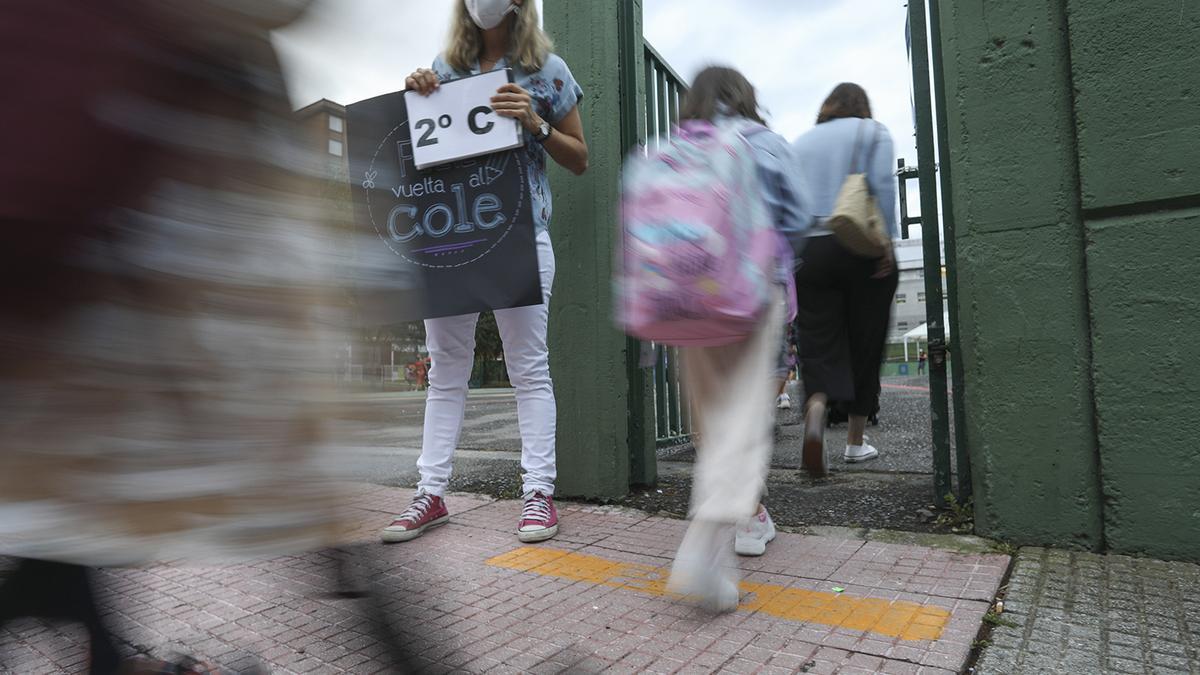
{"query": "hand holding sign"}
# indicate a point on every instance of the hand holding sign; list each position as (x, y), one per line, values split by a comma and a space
(423, 81)
(513, 101)
(457, 121)
(455, 239)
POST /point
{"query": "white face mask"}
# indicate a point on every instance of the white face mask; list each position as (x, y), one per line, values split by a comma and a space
(487, 14)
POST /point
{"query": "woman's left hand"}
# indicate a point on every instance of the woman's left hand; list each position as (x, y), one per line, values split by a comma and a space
(513, 101)
(886, 264)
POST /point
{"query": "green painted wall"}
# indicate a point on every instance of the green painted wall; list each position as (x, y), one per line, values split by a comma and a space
(1075, 140)
(1136, 71)
(1146, 311)
(589, 357)
(1022, 293)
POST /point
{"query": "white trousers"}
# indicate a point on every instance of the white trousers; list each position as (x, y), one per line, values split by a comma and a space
(451, 343)
(732, 390)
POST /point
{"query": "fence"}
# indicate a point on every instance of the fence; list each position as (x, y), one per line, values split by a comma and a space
(663, 90)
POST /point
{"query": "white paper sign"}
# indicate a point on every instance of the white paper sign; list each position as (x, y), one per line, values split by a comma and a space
(457, 122)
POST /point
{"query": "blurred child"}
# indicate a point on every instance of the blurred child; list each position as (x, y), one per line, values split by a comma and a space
(707, 267)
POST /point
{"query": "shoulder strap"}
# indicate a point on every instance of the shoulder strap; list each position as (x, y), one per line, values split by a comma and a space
(854, 152)
(874, 143)
(870, 151)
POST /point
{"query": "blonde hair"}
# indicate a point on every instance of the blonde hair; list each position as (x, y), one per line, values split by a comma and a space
(529, 48)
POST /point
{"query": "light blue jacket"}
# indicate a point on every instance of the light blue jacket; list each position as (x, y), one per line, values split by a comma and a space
(822, 158)
(783, 190)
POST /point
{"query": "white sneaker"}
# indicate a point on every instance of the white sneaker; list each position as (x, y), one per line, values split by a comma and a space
(785, 402)
(703, 571)
(860, 453)
(754, 533)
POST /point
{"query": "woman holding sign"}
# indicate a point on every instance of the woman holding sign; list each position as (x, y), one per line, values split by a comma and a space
(543, 98)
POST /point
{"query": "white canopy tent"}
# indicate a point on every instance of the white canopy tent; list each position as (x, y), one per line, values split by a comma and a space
(921, 334)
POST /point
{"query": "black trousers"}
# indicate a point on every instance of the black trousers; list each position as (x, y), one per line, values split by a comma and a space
(842, 324)
(53, 590)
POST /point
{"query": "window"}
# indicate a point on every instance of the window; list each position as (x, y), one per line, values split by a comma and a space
(901, 298)
(335, 147)
(901, 325)
(336, 124)
(920, 297)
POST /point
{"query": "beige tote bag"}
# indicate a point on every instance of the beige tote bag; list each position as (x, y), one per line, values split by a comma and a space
(857, 221)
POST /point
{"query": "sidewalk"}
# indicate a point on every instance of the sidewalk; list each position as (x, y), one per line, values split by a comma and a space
(1071, 612)
(476, 600)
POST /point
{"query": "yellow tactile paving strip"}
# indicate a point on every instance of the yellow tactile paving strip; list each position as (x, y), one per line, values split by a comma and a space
(904, 620)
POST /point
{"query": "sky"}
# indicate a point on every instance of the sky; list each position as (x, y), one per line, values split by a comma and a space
(794, 51)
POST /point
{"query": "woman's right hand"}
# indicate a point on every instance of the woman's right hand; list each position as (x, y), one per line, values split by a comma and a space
(423, 81)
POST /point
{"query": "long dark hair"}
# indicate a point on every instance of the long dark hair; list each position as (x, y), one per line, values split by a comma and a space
(716, 85)
(846, 100)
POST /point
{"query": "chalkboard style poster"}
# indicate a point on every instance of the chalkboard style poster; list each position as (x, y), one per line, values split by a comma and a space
(455, 239)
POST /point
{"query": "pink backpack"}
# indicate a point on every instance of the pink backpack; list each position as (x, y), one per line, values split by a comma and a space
(699, 251)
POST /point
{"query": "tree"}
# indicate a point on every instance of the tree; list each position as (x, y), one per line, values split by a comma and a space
(488, 349)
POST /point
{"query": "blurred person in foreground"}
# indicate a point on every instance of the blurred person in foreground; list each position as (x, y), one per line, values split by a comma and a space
(164, 301)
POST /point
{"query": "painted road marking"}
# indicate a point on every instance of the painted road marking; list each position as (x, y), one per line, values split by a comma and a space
(904, 620)
(904, 387)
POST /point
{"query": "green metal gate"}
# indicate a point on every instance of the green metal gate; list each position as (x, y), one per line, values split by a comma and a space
(925, 52)
(647, 123)
(664, 89)
(654, 372)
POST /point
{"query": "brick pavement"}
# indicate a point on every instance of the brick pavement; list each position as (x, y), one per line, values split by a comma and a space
(1077, 612)
(472, 599)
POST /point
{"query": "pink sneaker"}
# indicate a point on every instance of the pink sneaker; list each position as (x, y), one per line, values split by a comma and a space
(539, 519)
(424, 512)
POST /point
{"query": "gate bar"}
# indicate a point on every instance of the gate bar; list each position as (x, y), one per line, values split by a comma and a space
(958, 389)
(643, 464)
(930, 239)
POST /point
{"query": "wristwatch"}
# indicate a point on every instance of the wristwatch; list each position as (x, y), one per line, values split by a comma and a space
(544, 131)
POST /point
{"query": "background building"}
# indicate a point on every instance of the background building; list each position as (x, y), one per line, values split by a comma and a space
(325, 122)
(908, 310)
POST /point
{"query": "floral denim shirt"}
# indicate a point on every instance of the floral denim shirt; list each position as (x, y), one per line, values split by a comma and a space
(555, 93)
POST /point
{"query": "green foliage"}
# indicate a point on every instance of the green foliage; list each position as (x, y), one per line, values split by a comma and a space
(958, 518)
(994, 619)
(487, 338)
(489, 352)
(1004, 548)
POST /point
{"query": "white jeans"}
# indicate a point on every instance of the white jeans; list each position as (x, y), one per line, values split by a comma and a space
(732, 390)
(451, 343)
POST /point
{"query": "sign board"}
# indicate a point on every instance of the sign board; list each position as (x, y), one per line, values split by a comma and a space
(455, 239)
(457, 122)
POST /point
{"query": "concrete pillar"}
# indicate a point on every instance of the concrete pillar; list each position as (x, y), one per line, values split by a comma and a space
(601, 394)
(1135, 79)
(1024, 324)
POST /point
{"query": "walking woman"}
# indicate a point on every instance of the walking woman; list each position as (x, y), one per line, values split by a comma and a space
(544, 98)
(844, 299)
(733, 387)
